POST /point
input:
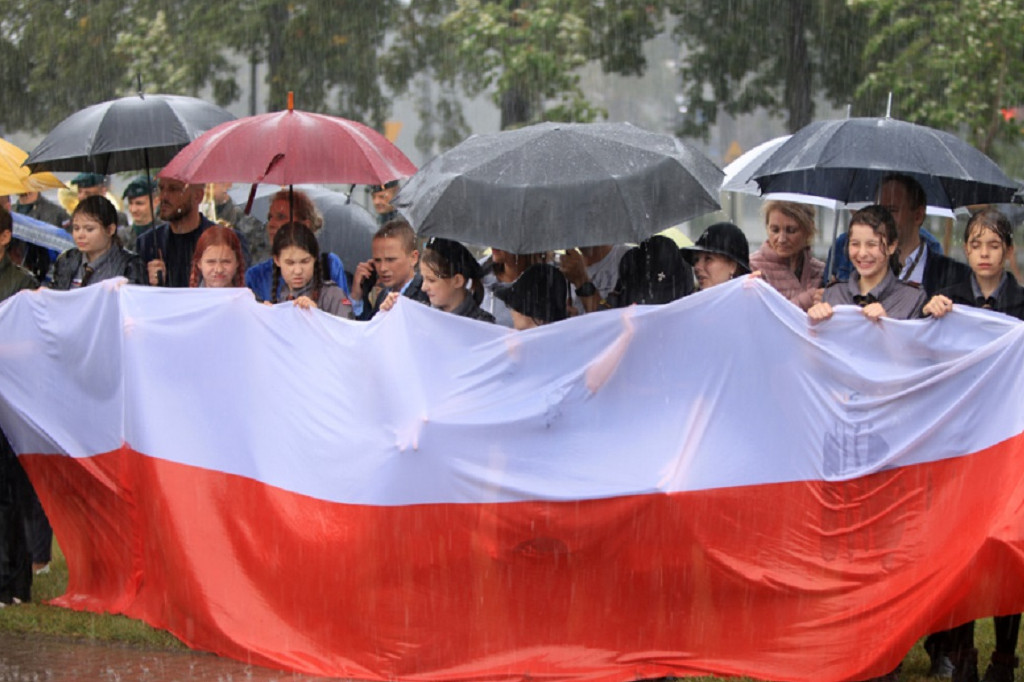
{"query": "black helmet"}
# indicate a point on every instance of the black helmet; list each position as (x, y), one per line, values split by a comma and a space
(725, 239)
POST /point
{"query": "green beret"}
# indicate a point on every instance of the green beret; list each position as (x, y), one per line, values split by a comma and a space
(89, 180)
(139, 187)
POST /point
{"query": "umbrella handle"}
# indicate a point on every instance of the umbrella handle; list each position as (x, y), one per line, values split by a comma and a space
(252, 197)
(252, 193)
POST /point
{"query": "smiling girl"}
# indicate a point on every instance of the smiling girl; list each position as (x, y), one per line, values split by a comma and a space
(297, 266)
(97, 254)
(872, 247)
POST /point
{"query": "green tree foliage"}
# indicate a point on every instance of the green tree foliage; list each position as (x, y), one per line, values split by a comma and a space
(742, 55)
(56, 60)
(951, 64)
(525, 53)
(323, 50)
(59, 56)
(63, 55)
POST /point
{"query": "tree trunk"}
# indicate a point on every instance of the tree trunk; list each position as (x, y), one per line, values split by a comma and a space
(277, 19)
(798, 73)
(515, 109)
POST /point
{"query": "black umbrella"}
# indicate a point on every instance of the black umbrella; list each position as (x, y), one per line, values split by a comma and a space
(126, 134)
(559, 185)
(847, 159)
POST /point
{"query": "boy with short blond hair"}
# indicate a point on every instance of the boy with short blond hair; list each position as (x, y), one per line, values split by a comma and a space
(392, 269)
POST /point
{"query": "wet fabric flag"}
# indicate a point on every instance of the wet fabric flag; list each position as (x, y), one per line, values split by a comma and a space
(710, 486)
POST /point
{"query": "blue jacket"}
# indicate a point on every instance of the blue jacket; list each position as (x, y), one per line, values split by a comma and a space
(258, 277)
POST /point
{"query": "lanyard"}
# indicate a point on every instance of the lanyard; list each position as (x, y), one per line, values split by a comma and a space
(917, 259)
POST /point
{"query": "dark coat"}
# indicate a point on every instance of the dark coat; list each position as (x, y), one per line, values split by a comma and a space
(14, 278)
(118, 263)
(471, 309)
(941, 272)
(413, 291)
(152, 245)
(1010, 300)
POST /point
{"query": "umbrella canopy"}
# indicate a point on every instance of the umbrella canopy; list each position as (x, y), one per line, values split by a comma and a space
(37, 232)
(15, 178)
(290, 147)
(127, 134)
(739, 177)
(559, 185)
(847, 159)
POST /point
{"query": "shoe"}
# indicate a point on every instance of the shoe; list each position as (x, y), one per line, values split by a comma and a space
(1001, 668)
(41, 569)
(965, 665)
(939, 663)
(941, 667)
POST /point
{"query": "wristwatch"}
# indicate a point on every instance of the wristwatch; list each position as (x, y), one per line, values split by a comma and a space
(586, 289)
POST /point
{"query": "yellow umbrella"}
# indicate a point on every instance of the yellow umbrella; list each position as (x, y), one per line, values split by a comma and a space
(15, 178)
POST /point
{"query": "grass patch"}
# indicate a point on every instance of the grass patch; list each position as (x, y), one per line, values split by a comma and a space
(39, 618)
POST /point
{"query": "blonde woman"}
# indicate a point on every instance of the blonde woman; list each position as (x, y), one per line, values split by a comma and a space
(785, 259)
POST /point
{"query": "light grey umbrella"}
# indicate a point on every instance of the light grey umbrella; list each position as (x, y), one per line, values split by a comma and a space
(559, 185)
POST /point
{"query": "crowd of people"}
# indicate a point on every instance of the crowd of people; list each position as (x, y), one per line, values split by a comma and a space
(886, 263)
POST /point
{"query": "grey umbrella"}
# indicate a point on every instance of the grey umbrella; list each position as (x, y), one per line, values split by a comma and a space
(126, 134)
(846, 160)
(559, 185)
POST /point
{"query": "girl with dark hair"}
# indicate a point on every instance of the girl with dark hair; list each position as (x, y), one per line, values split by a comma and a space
(447, 268)
(297, 266)
(988, 243)
(218, 259)
(872, 245)
(97, 254)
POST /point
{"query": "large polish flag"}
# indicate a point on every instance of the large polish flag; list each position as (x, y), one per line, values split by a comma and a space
(711, 486)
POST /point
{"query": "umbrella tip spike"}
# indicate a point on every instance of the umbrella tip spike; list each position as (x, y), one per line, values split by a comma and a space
(291, 100)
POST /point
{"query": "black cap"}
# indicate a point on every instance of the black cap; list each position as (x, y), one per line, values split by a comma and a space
(540, 292)
(380, 188)
(139, 187)
(723, 238)
(86, 180)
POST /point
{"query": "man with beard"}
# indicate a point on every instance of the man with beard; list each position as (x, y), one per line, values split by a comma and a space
(167, 249)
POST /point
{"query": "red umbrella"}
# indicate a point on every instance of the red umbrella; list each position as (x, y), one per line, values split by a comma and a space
(288, 148)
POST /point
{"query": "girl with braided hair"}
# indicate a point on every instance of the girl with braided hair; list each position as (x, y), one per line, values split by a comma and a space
(298, 274)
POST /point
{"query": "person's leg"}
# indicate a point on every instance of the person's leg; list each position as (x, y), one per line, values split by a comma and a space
(1004, 658)
(15, 563)
(37, 528)
(937, 645)
(963, 654)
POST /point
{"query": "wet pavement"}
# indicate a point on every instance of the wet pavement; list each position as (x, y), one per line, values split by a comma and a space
(32, 658)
